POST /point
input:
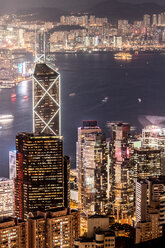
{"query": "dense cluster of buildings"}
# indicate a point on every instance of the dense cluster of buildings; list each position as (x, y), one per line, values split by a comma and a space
(82, 33)
(117, 191)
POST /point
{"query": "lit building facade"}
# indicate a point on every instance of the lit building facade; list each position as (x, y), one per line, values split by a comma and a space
(147, 20)
(150, 216)
(6, 198)
(41, 182)
(92, 168)
(147, 162)
(122, 173)
(162, 210)
(12, 165)
(55, 228)
(46, 100)
(13, 234)
(154, 137)
(141, 200)
(147, 230)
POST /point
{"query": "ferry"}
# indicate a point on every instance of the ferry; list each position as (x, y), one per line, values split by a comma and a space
(6, 118)
(6, 84)
(123, 56)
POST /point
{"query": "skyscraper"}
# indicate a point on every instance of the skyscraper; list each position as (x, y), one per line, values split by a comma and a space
(141, 200)
(6, 198)
(154, 137)
(122, 173)
(147, 162)
(147, 20)
(12, 165)
(46, 100)
(154, 20)
(41, 182)
(150, 215)
(92, 168)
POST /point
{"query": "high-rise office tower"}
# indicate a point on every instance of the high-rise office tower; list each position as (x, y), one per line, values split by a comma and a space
(122, 173)
(141, 200)
(123, 27)
(154, 137)
(12, 165)
(41, 182)
(147, 162)
(156, 197)
(154, 20)
(159, 20)
(6, 198)
(150, 213)
(156, 187)
(147, 20)
(43, 42)
(46, 100)
(92, 168)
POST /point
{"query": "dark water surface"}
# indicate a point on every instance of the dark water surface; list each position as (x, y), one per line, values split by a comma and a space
(85, 81)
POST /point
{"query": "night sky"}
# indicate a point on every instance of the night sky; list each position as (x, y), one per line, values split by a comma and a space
(63, 4)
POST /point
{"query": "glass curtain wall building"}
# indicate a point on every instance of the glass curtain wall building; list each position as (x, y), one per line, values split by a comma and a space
(92, 169)
(41, 174)
(122, 173)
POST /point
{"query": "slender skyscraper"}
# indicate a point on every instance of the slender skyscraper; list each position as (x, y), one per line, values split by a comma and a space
(141, 200)
(46, 100)
(92, 168)
(12, 165)
(122, 171)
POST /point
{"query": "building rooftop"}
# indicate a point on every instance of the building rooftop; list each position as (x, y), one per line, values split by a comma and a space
(4, 179)
(98, 216)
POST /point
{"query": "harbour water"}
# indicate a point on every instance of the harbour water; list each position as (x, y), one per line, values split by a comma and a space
(93, 86)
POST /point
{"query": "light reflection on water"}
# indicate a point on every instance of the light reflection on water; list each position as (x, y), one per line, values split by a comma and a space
(13, 102)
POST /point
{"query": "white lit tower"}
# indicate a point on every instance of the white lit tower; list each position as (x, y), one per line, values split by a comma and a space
(122, 173)
(6, 198)
(46, 99)
(153, 137)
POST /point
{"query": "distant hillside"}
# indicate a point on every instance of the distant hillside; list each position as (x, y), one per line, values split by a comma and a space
(117, 10)
(43, 14)
(113, 9)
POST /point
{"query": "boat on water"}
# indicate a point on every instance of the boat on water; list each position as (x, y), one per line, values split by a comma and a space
(6, 84)
(6, 118)
(123, 56)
